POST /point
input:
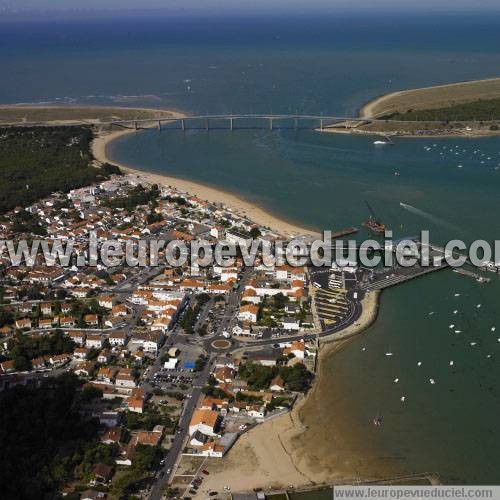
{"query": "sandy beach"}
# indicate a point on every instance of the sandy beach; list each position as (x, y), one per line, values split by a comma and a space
(235, 203)
(292, 451)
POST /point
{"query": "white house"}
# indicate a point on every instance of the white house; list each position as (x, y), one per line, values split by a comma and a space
(125, 379)
(93, 341)
(117, 338)
(296, 348)
(248, 313)
(170, 364)
(204, 421)
(80, 353)
(290, 323)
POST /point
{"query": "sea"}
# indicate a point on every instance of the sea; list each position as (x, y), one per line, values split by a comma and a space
(323, 64)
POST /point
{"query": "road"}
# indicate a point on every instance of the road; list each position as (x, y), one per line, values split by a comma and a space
(183, 430)
(230, 311)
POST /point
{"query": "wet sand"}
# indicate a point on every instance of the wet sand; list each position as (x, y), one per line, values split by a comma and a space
(305, 447)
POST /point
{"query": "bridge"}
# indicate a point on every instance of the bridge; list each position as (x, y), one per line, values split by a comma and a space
(228, 122)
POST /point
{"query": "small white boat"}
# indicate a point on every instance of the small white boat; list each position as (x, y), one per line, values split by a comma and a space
(493, 328)
(457, 295)
(432, 381)
(455, 311)
(458, 331)
(403, 398)
(419, 363)
(388, 354)
(451, 363)
(396, 380)
(478, 306)
(473, 344)
(452, 326)
(380, 143)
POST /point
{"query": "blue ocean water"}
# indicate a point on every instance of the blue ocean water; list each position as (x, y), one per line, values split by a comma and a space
(314, 64)
(329, 65)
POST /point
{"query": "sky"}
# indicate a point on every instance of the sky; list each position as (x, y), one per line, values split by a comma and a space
(246, 5)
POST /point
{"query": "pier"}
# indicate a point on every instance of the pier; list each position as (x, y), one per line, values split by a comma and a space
(400, 275)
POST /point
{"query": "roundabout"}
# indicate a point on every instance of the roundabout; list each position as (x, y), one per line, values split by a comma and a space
(221, 344)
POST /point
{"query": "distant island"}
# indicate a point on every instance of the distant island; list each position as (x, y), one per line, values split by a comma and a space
(75, 115)
(465, 108)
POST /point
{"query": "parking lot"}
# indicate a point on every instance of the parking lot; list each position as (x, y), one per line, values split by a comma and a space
(172, 379)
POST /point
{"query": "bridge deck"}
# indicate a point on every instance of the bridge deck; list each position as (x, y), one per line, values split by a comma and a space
(396, 279)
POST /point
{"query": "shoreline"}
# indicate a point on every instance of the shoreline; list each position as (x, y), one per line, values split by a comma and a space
(240, 206)
(368, 109)
(369, 121)
(281, 452)
(71, 115)
(408, 135)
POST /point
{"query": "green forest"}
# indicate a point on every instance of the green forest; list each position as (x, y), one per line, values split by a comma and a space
(47, 443)
(36, 161)
(43, 438)
(480, 110)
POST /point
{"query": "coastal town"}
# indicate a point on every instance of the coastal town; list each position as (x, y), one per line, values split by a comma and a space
(179, 369)
(248, 250)
(174, 364)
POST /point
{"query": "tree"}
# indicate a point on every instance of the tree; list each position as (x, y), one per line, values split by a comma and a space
(43, 437)
(279, 301)
(110, 169)
(297, 378)
(21, 363)
(255, 232)
(90, 393)
(200, 363)
(36, 161)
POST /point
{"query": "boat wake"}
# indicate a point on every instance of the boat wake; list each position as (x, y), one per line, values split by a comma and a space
(428, 216)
